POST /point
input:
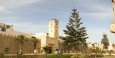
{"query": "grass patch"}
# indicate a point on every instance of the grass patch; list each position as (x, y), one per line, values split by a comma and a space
(89, 56)
(59, 56)
(54, 56)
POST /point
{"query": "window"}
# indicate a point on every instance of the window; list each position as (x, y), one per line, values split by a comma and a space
(56, 30)
(3, 29)
(51, 30)
(112, 0)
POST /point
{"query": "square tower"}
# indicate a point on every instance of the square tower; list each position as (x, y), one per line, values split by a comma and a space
(53, 34)
(53, 28)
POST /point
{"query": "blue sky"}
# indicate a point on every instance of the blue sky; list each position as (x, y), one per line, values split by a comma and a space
(33, 15)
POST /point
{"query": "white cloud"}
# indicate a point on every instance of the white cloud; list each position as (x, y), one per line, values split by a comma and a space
(96, 9)
(29, 27)
(95, 4)
(8, 18)
(5, 5)
(97, 14)
(3, 9)
(16, 3)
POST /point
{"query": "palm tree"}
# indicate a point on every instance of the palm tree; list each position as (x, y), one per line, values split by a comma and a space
(35, 41)
(21, 39)
(6, 50)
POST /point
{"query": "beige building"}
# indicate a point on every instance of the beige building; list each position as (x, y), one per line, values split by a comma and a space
(50, 38)
(112, 25)
(8, 30)
(96, 45)
(8, 40)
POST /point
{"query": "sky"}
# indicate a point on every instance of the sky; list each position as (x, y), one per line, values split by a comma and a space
(33, 15)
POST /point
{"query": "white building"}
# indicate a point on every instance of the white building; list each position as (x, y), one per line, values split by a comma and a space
(50, 38)
(95, 45)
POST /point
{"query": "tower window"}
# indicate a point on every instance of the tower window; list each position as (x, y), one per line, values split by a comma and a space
(51, 30)
(3, 29)
(112, 0)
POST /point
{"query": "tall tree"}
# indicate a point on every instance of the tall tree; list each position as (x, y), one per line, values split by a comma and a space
(35, 41)
(105, 41)
(75, 33)
(21, 39)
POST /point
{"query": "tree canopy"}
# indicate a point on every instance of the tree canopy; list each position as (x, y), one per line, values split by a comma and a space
(75, 33)
(105, 41)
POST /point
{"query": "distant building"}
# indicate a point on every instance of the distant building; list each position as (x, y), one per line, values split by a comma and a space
(8, 30)
(111, 47)
(50, 38)
(95, 45)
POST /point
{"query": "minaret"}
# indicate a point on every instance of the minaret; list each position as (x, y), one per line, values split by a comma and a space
(53, 28)
(53, 33)
(112, 25)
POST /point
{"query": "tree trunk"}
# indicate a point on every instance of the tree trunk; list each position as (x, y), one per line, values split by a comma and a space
(76, 54)
(68, 53)
(46, 54)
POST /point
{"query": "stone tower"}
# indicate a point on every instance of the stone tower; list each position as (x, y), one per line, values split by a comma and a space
(112, 25)
(53, 33)
(53, 28)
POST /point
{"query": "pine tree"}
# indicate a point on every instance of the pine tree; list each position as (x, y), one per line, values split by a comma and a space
(105, 41)
(75, 34)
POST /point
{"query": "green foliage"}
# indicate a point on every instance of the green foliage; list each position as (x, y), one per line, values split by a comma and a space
(59, 56)
(96, 50)
(35, 41)
(6, 49)
(75, 34)
(21, 39)
(47, 49)
(105, 41)
(88, 56)
(2, 55)
(22, 56)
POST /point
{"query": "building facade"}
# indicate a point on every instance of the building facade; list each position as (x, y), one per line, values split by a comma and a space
(8, 40)
(50, 38)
